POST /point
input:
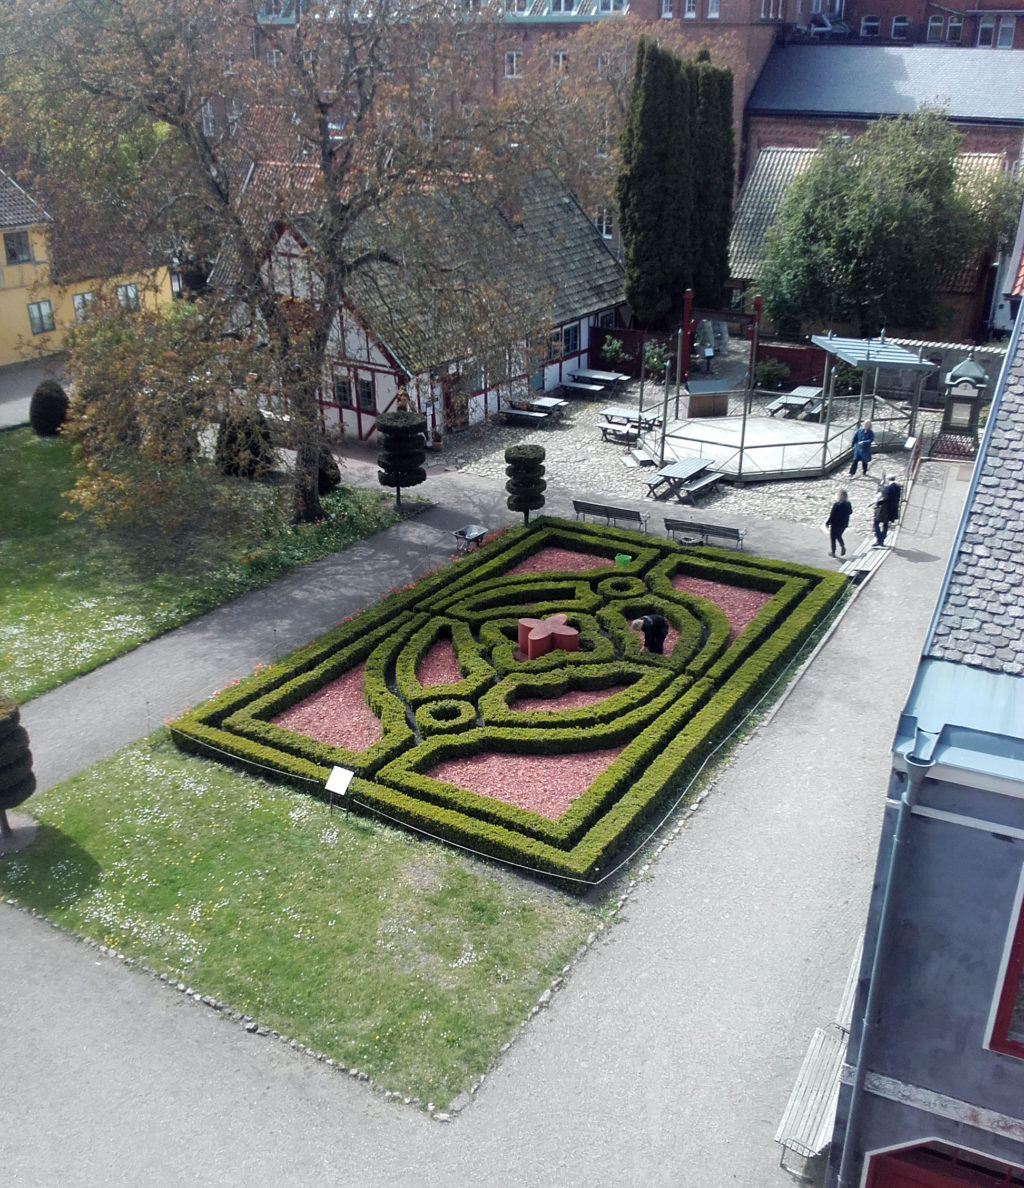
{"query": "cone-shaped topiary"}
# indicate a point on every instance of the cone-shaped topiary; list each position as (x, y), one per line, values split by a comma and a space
(17, 780)
(402, 450)
(48, 409)
(526, 483)
(244, 448)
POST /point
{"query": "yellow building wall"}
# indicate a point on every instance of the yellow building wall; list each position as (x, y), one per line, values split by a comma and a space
(23, 284)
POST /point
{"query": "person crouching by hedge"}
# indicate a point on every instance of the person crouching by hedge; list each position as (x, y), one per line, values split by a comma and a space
(838, 521)
(655, 629)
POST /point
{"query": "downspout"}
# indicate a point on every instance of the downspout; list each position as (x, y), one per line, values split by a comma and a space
(918, 765)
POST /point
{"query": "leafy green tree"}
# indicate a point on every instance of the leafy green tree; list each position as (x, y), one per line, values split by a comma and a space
(867, 234)
(674, 187)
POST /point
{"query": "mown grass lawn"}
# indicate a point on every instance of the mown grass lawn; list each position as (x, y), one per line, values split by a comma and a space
(391, 955)
(72, 598)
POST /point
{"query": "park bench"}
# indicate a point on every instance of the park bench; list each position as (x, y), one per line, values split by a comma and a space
(611, 514)
(814, 410)
(525, 416)
(694, 532)
(806, 1126)
(582, 389)
(623, 434)
(698, 486)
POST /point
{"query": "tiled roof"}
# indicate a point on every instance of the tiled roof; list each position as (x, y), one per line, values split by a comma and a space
(17, 209)
(872, 80)
(980, 620)
(758, 204)
(765, 188)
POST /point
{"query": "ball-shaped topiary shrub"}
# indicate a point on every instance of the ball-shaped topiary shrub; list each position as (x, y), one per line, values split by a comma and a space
(402, 451)
(244, 448)
(17, 780)
(48, 409)
(526, 483)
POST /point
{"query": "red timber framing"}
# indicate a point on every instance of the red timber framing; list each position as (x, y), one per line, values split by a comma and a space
(938, 1166)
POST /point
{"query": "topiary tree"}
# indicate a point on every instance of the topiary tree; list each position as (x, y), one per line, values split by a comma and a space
(526, 483)
(402, 450)
(48, 409)
(17, 780)
(244, 448)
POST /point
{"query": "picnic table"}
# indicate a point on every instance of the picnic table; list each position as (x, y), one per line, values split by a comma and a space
(549, 404)
(617, 415)
(795, 402)
(675, 475)
(606, 379)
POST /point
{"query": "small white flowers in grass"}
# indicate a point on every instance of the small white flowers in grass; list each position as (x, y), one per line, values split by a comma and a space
(468, 956)
(329, 836)
(300, 811)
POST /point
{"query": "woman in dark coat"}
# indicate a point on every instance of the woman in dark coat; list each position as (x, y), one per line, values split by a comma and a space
(838, 521)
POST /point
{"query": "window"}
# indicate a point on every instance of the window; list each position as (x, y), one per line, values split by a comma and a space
(40, 317)
(713, 6)
(128, 297)
(935, 24)
(986, 31)
(954, 29)
(82, 301)
(273, 58)
(603, 222)
(571, 339)
(17, 248)
(666, 10)
(209, 122)
(604, 61)
(233, 113)
(869, 26)
(229, 64)
(342, 389)
(515, 6)
(366, 401)
(559, 60)
(562, 5)
(611, 5)
(1007, 28)
(604, 141)
(1007, 1033)
(689, 9)
(512, 64)
(900, 28)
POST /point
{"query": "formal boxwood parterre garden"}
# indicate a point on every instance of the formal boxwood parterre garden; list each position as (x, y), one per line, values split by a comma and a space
(553, 764)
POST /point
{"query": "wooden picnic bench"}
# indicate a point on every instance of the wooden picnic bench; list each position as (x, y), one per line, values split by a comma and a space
(697, 533)
(525, 416)
(611, 514)
(624, 434)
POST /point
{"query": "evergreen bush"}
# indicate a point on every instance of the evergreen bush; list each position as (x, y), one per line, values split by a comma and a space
(244, 448)
(17, 780)
(48, 409)
(526, 483)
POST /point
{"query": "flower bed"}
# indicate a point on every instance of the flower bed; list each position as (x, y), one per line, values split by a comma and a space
(550, 762)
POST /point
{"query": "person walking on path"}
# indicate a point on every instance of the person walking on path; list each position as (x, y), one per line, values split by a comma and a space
(862, 440)
(838, 521)
(887, 508)
(655, 629)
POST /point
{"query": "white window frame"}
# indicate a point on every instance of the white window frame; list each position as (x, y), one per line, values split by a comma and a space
(40, 317)
(559, 59)
(209, 118)
(17, 248)
(986, 32)
(900, 30)
(935, 26)
(1006, 33)
(515, 7)
(128, 297)
(870, 26)
(562, 5)
(955, 29)
(666, 10)
(570, 339)
(274, 57)
(512, 58)
(603, 222)
(610, 5)
(80, 302)
(714, 8)
(689, 10)
(604, 61)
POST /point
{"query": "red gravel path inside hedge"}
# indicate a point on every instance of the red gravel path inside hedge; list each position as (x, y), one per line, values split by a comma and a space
(545, 560)
(439, 666)
(544, 784)
(335, 714)
(569, 700)
(740, 605)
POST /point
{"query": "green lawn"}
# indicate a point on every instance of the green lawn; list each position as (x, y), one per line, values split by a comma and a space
(72, 598)
(392, 955)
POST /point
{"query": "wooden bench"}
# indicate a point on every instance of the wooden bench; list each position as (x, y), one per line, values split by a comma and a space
(694, 532)
(611, 514)
(525, 416)
(703, 482)
(623, 434)
(576, 386)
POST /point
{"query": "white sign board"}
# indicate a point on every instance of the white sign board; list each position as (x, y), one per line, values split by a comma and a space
(339, 780)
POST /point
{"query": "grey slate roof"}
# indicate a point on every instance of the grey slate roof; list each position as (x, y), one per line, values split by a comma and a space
(758, 204)
(980, 619)
(872, 80)
(17, 209)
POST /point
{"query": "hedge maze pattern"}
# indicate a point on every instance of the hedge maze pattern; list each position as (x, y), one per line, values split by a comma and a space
(672, 710)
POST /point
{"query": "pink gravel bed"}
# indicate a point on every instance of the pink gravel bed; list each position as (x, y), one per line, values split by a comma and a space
(740, 605)
(560, 559)
(570, 700)
(336, 714)
(544, 784)
(439, 666)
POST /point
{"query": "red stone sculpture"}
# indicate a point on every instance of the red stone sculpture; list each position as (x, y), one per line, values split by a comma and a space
(537, 637)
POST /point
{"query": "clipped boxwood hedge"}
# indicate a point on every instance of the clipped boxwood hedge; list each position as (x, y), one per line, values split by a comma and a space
(671, 711)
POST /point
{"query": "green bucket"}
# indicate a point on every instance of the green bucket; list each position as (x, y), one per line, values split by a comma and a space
(622, 560)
